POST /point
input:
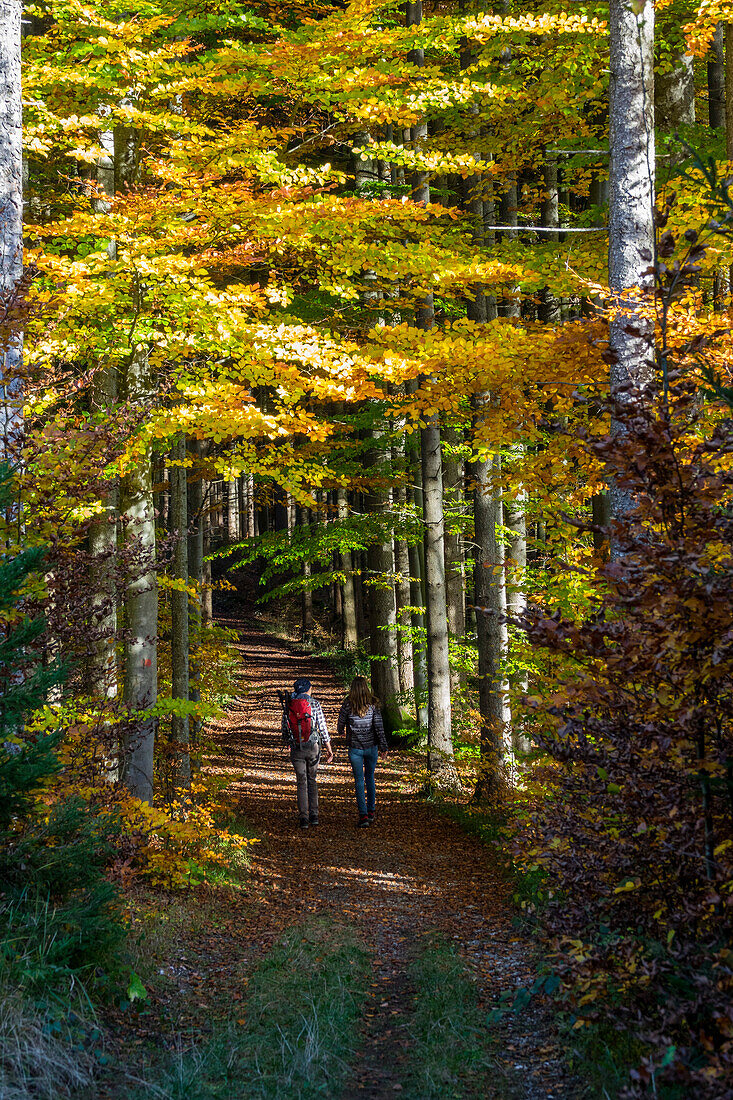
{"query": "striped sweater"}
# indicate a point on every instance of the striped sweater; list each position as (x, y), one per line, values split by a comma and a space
(363, 731)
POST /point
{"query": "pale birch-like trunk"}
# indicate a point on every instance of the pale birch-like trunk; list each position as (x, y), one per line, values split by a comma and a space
(631, 204)
(11, 221)
(180, 730)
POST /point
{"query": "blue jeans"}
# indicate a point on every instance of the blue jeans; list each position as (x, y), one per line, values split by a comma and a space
(363, 762)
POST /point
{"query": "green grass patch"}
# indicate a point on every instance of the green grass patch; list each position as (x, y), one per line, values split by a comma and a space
(601, 1056)
(297, 1031)
(450, 1043)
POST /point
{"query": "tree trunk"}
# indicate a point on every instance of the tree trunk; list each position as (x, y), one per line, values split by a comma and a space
(351, 635)
(102, 665)
(516, 599)
(382, 609)
(11, 220)
(196, 576)
(631, 196)
(179, 613)
(306, 598)
(716, 80)
(729, 90)
(511, 304)
(454, 565)
(403, 598)
(440, 734)
(416, 552)
(140, 690)
(207, 590)
(550, 307)
(402, 566)
(674, 95)
(251, 509)
(490, 599)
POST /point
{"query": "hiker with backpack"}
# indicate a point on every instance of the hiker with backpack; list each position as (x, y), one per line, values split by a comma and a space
(361, 720)
(304, 732)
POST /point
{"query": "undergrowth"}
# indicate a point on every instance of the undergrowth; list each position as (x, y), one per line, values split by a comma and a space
(296, 1033)
(450, 1044)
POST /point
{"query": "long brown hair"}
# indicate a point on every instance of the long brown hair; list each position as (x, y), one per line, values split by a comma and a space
(360, 696)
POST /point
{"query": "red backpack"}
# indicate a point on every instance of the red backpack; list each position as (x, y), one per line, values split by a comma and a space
(300, 719)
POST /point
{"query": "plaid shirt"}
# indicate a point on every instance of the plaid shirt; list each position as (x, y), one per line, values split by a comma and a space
(318, 724)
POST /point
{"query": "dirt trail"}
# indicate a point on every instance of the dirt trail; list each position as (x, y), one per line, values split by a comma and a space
(411, 873)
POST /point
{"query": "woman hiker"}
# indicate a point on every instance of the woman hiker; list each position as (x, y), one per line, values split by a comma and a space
(304, 731)
(361, 720)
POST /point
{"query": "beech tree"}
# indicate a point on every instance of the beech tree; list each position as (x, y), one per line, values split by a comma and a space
(631, 246)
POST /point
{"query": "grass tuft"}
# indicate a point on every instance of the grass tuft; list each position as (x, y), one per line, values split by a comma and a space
(44, 1053)
(297, 1032)
(450, 1044)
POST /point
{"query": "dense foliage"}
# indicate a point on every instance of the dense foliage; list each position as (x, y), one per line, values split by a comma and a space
(318, 302)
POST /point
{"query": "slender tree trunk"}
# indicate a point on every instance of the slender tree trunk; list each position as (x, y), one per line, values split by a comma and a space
(716, 80)
(351, 635)
(251, 509)
(102, 666)
(402, 566)
(179, 613)
(511, 305)
(403, 597)
(382, 608)
(490, 599)
(416, 552)
(241, 508)
(440, 735)
(140, 689)
(306, 599)
(207, 587)
(550, 307)
(729, 90)
(516, 597)
(11, 222)
(196, 577)
(455, 580)
(631, 213)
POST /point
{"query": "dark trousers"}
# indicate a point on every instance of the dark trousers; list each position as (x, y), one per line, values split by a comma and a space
(305, 761)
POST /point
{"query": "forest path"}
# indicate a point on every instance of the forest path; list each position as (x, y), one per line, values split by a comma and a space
(412, 874)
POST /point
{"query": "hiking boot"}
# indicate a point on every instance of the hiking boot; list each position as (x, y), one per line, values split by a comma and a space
(304, 822)
(371, 817)
(363, 822)
(313, 821)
